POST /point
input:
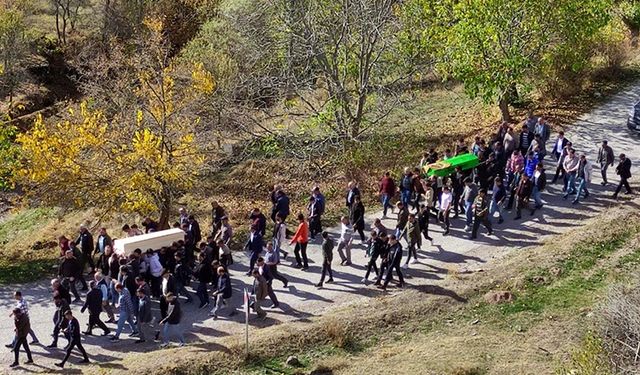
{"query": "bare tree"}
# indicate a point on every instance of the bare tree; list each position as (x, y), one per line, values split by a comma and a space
(350, 44)
(67, 14)
(13, 49)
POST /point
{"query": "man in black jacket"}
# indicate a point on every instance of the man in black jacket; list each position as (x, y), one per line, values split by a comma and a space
(94, 304)
(143, 315)
(73, 330)
(202, 273)
(222, 292)
(85, 240)
(22, 329)
(172, 321)
(280, 206)
(395, 258)
(59, 321)
(56, 286)
(539, 180)
(376, 245)
(70, 270)
(624, 171)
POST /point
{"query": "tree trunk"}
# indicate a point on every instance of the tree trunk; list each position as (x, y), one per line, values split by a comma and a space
(512, 94)
(635, 34)
(504, 108)
(165, 209)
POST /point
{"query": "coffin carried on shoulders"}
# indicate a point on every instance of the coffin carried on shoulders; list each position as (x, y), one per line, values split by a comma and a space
(445, 168)
(154, 240)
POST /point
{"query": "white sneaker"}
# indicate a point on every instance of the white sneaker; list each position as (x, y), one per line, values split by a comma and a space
(405, 266)
(467, 228)
(414, 261)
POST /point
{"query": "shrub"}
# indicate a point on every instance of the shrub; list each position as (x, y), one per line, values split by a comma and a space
(620, 326)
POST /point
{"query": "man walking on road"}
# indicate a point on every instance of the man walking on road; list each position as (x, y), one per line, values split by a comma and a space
(327, 257)
(605, 159)
(395, 258)
(624, 171)
(85, 240)
(93, 303)
(583, 178)
(387, 191)
(73, 332)
(23, 306)
(480, 209)
(346, 236)
(21, 332)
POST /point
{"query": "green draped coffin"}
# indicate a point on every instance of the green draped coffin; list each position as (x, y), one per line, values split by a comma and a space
(445, 168)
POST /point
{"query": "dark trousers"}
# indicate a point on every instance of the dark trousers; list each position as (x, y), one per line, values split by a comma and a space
(72, 344)
(21, 341)
(383, 270)
(625, 183)
(559, 171)
(326, 269)
(156, 286)
(94, 320)
(301, 249)
(252, 260)
(372, 265)
(395, 266)
(271, 293)
(56, 331)
(413, 244)
(202, 293)
(360, 231)
(476, 225)
(82, 282)
(87, 257)
(277, 275)
(72, 286)
(182, 291)
(315, 226)
(164, 307)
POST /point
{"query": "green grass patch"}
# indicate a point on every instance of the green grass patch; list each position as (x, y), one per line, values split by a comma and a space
(571, 287)
(23, 271)
(21, 223)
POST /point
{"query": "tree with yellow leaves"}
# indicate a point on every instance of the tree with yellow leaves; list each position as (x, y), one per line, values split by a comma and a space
(135, 161)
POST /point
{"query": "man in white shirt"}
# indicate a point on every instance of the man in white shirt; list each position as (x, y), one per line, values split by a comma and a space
(445, 207)
(346, 232)
(560, 144)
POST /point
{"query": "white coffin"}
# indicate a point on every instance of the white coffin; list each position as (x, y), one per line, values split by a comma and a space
(155, 241)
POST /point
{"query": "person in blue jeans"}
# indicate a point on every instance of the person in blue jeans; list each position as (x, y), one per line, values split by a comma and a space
(571, 164)
(127, 312)
(468, 196)
(172, 321)
(497, 199)
(583, 178)
(387, 190)
(406, 187)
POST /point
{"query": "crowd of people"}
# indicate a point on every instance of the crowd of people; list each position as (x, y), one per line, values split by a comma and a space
(509, 175)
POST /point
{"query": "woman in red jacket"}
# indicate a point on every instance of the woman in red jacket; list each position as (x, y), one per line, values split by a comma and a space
(301, 238)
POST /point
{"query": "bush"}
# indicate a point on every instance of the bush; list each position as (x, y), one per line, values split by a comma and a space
(620, 326)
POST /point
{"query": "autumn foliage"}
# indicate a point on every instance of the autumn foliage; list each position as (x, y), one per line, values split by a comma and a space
(135, 162)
